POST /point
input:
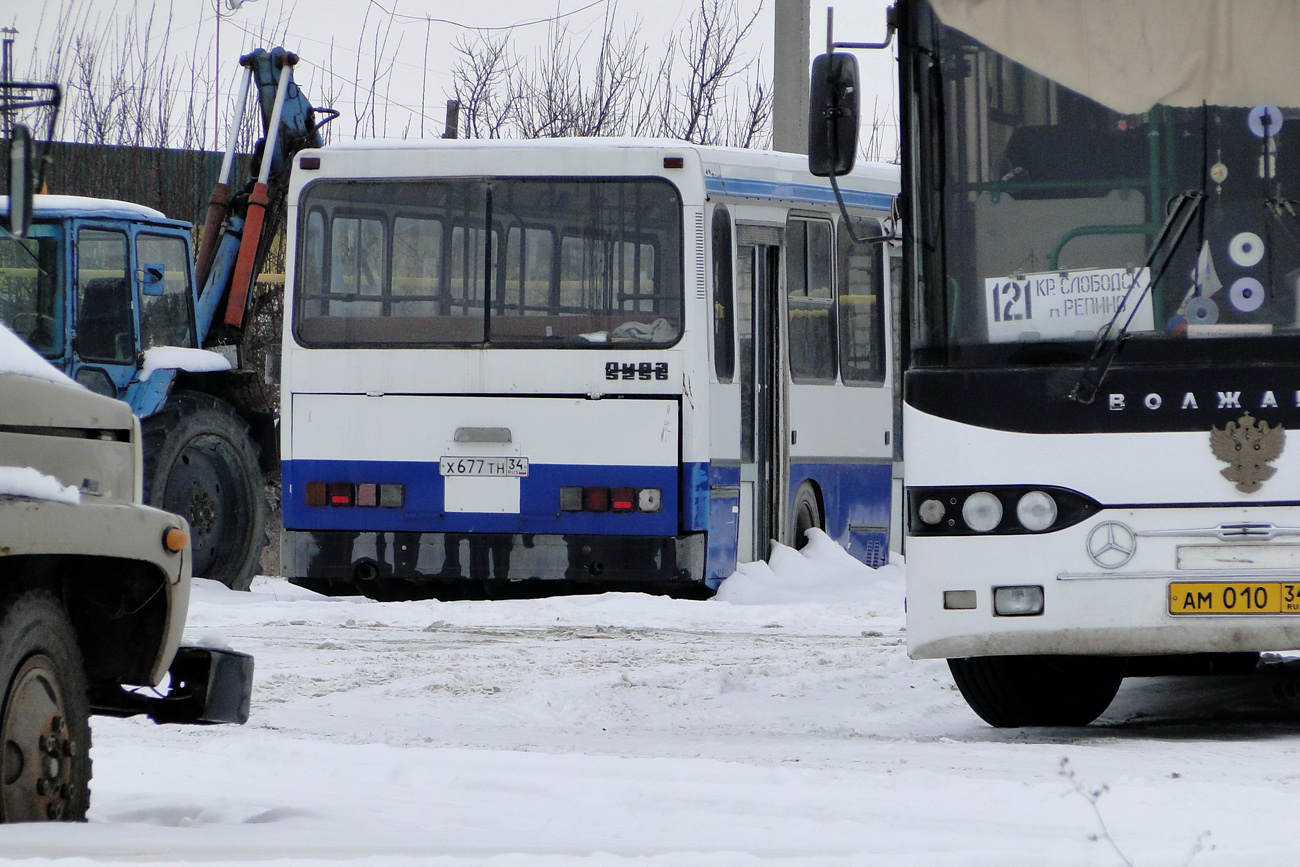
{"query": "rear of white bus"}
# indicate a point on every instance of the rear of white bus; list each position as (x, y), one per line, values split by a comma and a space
(486, 376)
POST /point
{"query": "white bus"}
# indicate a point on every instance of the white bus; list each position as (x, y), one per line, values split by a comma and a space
(1102, 248)
(634, 363)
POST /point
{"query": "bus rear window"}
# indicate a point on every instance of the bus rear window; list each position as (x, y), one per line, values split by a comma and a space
(567, 262)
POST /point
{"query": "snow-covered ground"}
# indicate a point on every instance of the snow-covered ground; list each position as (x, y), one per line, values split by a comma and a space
(621, 729)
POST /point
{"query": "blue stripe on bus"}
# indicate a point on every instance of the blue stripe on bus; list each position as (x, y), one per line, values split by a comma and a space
(539, 500)
(792, 192)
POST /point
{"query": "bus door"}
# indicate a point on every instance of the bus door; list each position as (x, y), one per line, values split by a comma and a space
(758, 275)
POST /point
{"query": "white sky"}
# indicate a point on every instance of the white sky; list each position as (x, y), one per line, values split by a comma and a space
(335, 38)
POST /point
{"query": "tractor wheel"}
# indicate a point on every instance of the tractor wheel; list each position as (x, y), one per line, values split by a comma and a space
(201, 464)
(44, 714)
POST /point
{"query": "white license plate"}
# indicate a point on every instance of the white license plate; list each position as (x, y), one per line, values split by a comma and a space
(483, 466)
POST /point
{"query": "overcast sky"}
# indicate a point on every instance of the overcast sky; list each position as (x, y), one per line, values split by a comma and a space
(335, 38)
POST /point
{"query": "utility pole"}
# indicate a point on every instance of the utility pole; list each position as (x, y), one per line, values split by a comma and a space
(790, 77)
(7, 74)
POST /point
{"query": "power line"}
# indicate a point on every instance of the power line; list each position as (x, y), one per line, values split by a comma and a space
(425, 19)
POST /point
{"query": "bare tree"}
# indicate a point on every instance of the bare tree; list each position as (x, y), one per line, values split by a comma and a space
(557, 91)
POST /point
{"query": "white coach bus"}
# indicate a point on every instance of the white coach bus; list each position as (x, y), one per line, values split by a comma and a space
(615, 361)
(1102, 260)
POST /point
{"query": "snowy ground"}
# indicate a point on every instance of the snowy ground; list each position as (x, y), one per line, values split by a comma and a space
(627, 729)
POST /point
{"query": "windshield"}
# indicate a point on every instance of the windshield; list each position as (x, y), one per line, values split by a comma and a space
(1045, 206)
(31, 299)
(504, 261)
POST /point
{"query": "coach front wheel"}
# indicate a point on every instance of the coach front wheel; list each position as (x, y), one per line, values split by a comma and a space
(1013, 691)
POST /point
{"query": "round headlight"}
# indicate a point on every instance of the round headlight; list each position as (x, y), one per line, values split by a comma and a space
(1036, 511)
(931, 511)
(982, 511)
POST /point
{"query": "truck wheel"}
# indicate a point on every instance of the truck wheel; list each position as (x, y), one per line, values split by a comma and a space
(1013, 691)
(807, 515)
(201, 464)
(44, 714)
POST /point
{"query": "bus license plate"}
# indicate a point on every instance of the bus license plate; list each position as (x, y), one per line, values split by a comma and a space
(483, 466)
(1237, 597)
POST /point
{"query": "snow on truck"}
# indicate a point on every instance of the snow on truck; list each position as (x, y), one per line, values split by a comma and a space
(94, 587)
(110, 293)
(1100, 340)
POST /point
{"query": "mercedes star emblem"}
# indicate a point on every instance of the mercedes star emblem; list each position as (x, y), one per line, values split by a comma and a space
(1111, 544)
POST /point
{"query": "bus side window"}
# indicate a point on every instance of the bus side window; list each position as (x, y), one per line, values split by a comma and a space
(811, 301)
(724, 328)
(862, 311)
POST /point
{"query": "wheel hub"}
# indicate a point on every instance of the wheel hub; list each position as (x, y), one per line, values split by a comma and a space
(35, 762)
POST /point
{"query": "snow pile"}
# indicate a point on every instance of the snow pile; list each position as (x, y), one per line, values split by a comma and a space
(821, 571)
(28, 482)
(181, 358)
(18, 357)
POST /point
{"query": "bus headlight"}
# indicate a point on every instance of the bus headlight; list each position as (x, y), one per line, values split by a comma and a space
(982, 511)
(1036, 511)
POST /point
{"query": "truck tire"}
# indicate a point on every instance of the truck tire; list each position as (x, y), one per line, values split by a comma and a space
(1014, 691)
(201, 464)
(44, 713)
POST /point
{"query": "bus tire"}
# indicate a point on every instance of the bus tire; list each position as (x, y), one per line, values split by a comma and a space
(201, 464)
(807, 515)
(1014, 691)
(44, 713)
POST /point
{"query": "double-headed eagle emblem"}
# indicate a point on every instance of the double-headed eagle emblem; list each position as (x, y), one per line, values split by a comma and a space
(1247, 446)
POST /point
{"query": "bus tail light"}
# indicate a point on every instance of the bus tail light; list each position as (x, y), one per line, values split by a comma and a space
(622, 499)
(602, 499)
(363, 494)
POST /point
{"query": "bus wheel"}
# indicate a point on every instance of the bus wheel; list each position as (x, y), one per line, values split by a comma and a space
(807, 515)
(1013, 691)
(44, 714)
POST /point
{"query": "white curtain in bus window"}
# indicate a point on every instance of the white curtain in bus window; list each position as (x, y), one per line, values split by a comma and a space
(166, 302)
(811, 301)
(356, 266)
(506, 261)
(861, 310)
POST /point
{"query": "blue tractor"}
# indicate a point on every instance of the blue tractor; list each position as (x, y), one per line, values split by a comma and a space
(111, 293)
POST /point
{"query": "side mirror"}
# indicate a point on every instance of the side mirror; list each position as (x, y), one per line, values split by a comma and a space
(151, 279)
(20, 181)
(833, 114)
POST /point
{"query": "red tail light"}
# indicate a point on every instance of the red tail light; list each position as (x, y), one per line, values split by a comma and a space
(595, 499)
(342, 493)
(317, 494)
(622, 499)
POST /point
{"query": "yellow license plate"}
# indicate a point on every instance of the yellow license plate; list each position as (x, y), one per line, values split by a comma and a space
(1237, 597)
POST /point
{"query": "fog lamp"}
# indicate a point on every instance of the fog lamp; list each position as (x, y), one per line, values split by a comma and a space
(1018, 601)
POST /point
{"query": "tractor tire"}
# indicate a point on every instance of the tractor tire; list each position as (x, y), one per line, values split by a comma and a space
(44, 713)
(201, 464)
(1014, 691)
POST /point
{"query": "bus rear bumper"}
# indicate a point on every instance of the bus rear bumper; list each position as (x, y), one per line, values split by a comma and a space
(402, 565)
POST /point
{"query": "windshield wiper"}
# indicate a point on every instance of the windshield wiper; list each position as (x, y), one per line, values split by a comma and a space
(1171, 234)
